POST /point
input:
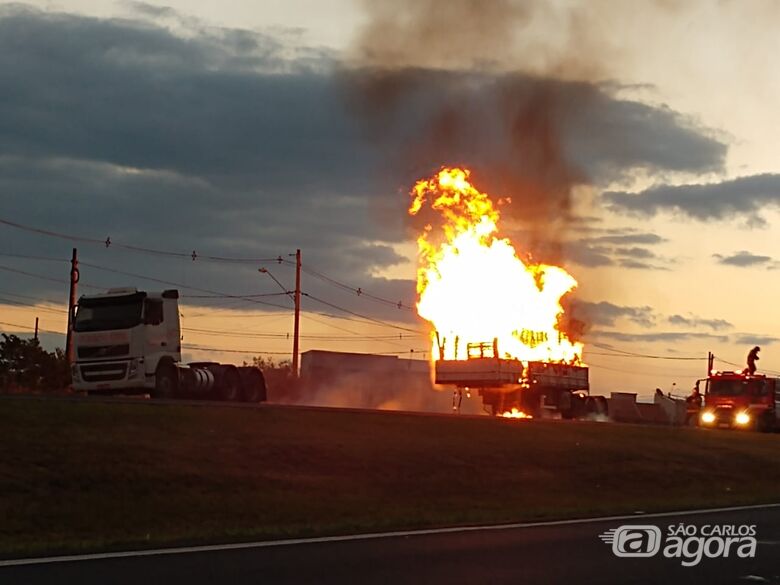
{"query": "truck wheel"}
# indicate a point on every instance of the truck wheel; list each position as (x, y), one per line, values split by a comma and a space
(253, 386)
(231, 386)
(166, 383)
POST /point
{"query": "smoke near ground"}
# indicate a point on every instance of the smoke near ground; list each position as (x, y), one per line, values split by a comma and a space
(375, 391)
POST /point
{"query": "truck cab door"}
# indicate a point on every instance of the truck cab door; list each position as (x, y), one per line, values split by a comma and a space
(172, 325)
(155, 339)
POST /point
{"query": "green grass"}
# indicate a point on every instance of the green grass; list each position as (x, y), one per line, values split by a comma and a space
(81, 476)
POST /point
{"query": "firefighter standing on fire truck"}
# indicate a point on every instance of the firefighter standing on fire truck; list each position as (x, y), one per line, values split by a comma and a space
(752, 358)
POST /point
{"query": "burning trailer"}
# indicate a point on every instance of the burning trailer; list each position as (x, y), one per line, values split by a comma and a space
(514, 389)
(472, 287)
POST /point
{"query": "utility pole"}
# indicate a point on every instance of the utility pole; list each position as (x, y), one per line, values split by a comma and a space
(296, 326)
(710, 363)
(36, 329)
(74, 279)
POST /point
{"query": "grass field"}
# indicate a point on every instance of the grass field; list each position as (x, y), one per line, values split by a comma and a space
(79, 476)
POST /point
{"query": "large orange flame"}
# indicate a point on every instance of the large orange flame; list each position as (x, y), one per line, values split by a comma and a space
(473, 287)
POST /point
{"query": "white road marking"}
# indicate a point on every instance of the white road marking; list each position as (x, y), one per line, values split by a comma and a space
(367, 536)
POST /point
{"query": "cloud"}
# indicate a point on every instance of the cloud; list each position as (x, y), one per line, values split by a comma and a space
(743, 197)
(240, 143)
(617, 249)
(695, 321)
(630, 238)
(635, 252)
(743, 259)
(661, 336)
(608, 314)
(638, 265)
(755, 339)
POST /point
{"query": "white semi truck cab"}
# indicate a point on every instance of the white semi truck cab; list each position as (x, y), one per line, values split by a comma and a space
(127, 341)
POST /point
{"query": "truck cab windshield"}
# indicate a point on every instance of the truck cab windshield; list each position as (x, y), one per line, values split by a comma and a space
(108, 313)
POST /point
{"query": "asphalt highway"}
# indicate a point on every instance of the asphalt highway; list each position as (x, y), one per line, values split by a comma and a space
(527, 554)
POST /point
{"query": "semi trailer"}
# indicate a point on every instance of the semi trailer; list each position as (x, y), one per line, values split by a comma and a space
(508, 385)
(127, 341)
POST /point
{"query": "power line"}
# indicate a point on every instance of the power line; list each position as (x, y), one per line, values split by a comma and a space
(108, 243)
(660, 373)
(223, 333)
(53, 302)
(359, 291)
(324, 337)
(363, 317)
(30, 257)
(49, 278)
(644, 355)
(31, 328)
(338, 327)
(241, 351)
(238, 297)
(4, 300)
(178, 284)
(260, 352)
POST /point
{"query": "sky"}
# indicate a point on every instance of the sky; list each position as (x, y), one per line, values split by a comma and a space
(637, 141)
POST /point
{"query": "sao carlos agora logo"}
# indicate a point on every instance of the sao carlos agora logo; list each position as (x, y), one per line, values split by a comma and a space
(688, 542)
(633, 540)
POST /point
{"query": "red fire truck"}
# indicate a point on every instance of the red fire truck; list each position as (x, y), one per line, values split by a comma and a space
(740, 400)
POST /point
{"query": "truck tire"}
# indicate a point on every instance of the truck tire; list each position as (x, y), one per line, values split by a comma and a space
(230, 386)
(253, 385)
(166, 382)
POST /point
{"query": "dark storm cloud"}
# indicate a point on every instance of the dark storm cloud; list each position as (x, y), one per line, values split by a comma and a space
(236, 143)
(617, 249)
(531, 139)
(743, 259)
(743, 197)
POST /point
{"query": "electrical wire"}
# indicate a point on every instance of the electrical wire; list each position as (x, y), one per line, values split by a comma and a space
(178, 284)
(360, 316)
(222, 296)
(29, 257)
(108, 243)
(241, 351)
(50, 301)
(647, 356)
(659, 374)
(5, 301)
(49, 278)
(359, 291)
(31, 328)
(261, 352)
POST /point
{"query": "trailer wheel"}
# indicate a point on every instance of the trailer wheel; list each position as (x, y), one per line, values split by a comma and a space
(166, 382)
(231, 386)
(253, 385)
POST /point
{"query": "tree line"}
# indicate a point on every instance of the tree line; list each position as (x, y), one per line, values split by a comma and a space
(26, 367)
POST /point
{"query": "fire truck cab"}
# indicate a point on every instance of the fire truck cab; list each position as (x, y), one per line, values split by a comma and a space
(740, 400)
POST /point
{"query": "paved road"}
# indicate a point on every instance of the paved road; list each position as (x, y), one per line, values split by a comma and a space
(562, 553)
